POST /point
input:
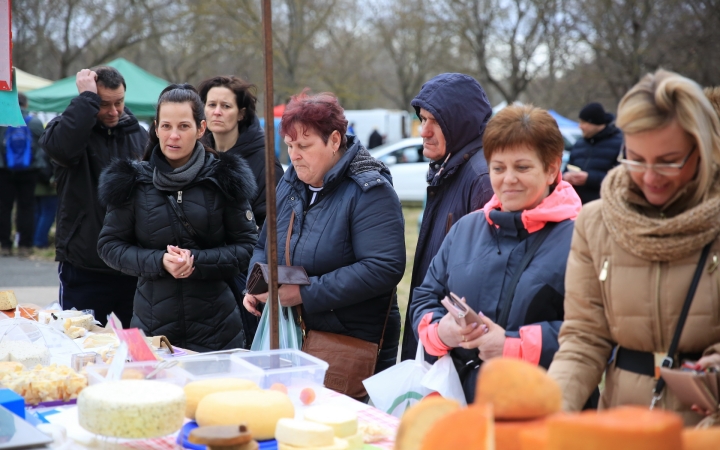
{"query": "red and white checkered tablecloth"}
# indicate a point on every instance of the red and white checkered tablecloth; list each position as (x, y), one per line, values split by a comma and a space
(376, 417)
(164, 443)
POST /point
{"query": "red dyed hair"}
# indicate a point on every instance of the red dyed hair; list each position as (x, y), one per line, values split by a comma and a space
(321, 113)
(526, 125)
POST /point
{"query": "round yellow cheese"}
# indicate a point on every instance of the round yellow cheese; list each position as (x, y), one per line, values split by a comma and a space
(131, 409)
(260, 410)
(343, 421)
(301, 433)
(197, 390)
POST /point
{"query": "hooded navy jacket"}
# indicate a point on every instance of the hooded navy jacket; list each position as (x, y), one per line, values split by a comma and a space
(462, 110)
(351, 243)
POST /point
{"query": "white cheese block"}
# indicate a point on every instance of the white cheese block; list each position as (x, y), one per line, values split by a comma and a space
(301, 433)
(28, 353)
(85, 321)
(260, 410)
(344, 422)
(338, 444)
(7, 300)
(132, 409)
(356, 441)
(75, 332)
(197, 390)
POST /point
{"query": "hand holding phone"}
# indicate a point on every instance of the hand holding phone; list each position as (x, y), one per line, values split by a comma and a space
(463, 314)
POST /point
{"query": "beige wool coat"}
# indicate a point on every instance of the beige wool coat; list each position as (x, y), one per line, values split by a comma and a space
(615, 298)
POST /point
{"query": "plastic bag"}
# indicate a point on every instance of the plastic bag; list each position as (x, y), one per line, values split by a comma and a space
(290, 333)
(443, 379)
(396, 389)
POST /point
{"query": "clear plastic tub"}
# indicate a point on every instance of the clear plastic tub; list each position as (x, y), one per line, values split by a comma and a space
(202, 367)
(138, 370)
(292, 368)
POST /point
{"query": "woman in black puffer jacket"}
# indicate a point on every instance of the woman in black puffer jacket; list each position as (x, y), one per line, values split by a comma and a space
(182, 292)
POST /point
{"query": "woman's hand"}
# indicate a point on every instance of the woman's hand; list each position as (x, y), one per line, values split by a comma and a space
(289, 295)
(490, 344)
(452, 334)
(251, 301)
(178, 262)
(704, 363)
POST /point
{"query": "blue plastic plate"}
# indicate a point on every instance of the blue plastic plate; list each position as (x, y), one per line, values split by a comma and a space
(182, 439)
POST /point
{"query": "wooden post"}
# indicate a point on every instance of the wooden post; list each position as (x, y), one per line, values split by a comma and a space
(271, 217)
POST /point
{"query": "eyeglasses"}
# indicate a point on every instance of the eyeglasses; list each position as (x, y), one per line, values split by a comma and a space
(667, 169)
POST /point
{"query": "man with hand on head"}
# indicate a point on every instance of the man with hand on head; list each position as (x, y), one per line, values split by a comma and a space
(94, 129)
(453, 110)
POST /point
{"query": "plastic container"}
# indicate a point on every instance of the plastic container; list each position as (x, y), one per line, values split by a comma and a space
(138, 370)
(292, 368)
(202, 367)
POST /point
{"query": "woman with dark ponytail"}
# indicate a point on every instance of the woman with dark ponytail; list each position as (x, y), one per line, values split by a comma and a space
(181, 222)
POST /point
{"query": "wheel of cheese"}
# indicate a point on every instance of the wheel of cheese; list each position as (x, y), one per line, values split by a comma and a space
(624, 428)
(343, 421)
(260, 410)
(701, 439)
(417, 420)
(468, 428)
(197, 390)
(517, 389)
(507, 432)
(534, 438)
(132, 409)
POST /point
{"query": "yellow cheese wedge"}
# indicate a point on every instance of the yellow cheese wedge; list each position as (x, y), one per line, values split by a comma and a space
(344, 422)
(197, 390)
(338, 444)
(304, 434)
(7, 300)
(85, 321)
(260, 410)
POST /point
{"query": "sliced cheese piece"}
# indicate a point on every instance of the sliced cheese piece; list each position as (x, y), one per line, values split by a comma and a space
(343, 421)
(99, 340)
(304, 434)
(356, 441)
(75, 332)
(85, 321)
(197, 390)
(338, 444)
(7, 300)
(132, 409)
(260, 410)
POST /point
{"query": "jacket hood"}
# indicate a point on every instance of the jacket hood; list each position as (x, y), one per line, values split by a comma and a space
(250, 141)
(230, 173)
(460, 106)
(609, 131)
(563, 203)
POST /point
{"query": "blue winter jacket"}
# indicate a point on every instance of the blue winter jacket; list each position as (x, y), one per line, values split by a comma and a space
(462, 110)
(351, 242)
(596, 156)
(477, 261)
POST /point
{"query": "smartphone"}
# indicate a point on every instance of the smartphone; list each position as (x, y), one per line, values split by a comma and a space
(573, 168)
(462, 313)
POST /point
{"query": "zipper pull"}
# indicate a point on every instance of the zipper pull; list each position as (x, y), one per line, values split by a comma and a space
(179, 196)
(714, 265)
(604, 271)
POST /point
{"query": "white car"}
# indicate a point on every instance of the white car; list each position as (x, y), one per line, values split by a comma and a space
(408, 167)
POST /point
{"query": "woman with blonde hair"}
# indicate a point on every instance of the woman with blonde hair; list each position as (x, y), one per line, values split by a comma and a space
(645, 253)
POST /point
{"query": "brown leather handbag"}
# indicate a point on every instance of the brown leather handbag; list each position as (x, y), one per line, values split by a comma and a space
(351, 360)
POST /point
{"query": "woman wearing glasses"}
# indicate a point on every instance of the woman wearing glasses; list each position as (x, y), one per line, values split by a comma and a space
(635, 252)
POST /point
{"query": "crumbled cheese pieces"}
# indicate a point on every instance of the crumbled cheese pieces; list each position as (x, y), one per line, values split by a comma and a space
(344, 422)
(300, 433)
(25, 352)
(132, 409)
(43, 384)
(85, 321)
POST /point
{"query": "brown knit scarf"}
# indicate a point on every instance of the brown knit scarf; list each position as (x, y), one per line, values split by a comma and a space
(658, 239)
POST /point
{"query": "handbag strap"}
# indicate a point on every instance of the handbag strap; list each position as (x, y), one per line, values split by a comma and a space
(506, 301)
(669, 360)
(184, 221)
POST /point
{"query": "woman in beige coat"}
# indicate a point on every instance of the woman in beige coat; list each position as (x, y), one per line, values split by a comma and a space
(634, 253)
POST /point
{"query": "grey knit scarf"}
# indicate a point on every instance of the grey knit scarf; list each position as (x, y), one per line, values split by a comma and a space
(165, 178)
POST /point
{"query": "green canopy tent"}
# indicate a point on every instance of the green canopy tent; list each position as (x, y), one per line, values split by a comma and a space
(143, 90)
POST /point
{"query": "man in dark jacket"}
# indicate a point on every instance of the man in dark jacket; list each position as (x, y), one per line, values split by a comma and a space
(454, 110)
(595, 154)
(17, 184)
(94, 129)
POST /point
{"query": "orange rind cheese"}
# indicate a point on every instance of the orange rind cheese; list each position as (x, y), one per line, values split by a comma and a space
(468, 428)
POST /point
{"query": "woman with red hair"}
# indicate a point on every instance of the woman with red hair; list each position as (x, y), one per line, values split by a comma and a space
(348, 229)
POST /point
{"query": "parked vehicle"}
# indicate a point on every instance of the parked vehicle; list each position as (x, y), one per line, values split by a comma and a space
(408, 167)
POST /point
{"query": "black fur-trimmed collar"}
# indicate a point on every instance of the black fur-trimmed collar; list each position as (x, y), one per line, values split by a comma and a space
(230, 173)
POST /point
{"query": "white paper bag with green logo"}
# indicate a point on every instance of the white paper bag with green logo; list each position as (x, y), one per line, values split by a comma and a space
(443, 379)
(396, 389)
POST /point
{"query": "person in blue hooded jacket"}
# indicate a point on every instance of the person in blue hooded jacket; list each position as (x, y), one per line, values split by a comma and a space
(348, 230)
(507, 260)
(453, 109)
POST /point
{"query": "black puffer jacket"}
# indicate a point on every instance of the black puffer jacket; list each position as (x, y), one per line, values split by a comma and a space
(200, 312)
(251, 147)
(81, 148)
(596, 155)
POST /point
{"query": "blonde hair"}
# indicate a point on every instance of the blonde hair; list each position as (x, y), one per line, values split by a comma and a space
(713, 94)
(664, 96)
